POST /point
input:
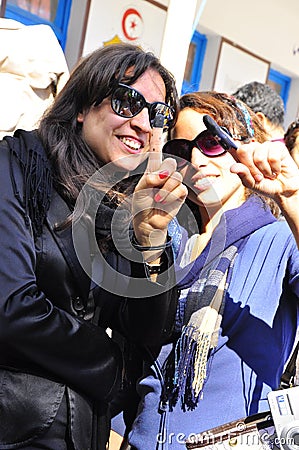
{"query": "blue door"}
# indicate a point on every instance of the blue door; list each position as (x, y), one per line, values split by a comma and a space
(194, 63)
(280, 83)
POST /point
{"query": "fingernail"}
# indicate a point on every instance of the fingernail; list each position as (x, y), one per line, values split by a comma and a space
(164, 174)
(157, 198)
(258, 177)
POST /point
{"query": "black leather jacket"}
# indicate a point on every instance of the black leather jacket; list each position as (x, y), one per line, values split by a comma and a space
(53, 337)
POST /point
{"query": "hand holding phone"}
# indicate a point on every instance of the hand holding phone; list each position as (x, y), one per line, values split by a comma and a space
(224, 139)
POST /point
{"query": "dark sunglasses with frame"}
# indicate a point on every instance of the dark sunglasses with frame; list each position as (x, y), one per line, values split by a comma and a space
(127, 102)
(207, 143)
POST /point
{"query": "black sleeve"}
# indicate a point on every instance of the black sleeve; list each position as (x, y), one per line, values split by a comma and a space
(150, 315)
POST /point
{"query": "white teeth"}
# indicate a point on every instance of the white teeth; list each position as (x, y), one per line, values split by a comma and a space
(132, 144)
(204, 181)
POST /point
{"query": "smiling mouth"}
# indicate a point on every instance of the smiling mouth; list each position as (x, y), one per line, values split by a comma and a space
(131, 144)
(205, 182)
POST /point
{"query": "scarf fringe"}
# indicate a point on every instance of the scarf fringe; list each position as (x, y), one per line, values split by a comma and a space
(191, 358)
(37, 178)
(198, 337)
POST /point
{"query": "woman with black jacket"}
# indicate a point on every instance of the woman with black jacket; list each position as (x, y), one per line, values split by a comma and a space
(69, 269)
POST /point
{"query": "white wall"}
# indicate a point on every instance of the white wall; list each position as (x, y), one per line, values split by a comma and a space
(267, 28)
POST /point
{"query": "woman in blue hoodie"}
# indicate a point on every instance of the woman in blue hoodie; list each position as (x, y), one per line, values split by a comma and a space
(238, 278)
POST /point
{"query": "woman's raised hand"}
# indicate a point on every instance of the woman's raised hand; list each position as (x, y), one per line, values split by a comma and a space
(158, 196)
(269, 169)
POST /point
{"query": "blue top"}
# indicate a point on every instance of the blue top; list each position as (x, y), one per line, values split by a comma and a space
(257, 335)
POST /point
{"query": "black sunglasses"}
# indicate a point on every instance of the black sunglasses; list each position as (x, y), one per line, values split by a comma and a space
(210, 145)
(127, 102)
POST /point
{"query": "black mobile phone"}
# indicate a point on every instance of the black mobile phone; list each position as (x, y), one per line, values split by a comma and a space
(225, 140)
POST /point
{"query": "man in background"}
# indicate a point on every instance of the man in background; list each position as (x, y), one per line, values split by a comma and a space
(267, 104)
